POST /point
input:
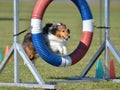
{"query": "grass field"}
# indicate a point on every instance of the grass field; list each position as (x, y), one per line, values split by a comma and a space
(68, 14)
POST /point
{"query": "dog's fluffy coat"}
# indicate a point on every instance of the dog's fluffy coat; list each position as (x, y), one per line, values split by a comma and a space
(55, 37)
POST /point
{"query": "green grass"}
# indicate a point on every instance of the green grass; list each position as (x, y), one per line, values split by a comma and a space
(68, 14)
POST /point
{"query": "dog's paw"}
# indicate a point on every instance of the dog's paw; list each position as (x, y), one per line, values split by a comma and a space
(64, 51)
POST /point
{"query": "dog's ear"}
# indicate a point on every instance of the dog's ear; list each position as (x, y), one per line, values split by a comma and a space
(69, 31)
(53, 28)
(46, 28)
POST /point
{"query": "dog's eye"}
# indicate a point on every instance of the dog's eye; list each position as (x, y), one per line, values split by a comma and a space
(63, 31)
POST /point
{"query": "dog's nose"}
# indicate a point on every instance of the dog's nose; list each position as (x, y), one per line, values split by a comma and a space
(68, 36)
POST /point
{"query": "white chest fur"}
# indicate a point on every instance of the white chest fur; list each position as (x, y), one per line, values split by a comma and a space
(55, 44)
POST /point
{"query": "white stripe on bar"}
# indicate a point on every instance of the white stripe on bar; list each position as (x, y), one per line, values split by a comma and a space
(66, 61)
(88, 25)
(36, 26)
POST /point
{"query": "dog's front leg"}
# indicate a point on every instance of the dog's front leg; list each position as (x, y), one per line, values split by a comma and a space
(64, 50)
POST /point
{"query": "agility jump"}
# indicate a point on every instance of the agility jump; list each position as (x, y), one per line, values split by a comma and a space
(47, 55)
(84, 44)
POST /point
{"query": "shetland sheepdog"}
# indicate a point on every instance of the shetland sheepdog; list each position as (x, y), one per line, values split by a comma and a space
(55, 37)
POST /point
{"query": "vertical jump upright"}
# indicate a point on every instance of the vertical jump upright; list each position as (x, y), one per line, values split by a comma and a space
(17, 50)
(107, 45)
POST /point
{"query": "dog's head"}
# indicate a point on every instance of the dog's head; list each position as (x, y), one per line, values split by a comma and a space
(59, 30)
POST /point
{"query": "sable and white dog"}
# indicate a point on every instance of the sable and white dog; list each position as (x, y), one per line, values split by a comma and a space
(55, 37)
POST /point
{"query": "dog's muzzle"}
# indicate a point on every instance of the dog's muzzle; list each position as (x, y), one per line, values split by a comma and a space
(66, 38)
